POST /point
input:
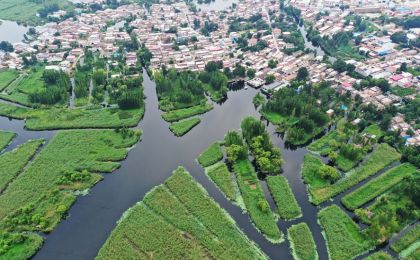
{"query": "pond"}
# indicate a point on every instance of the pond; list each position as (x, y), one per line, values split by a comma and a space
(215, 5)
(11, 31)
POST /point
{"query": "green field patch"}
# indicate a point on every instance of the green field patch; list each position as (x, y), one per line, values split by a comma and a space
(180, 128)
(19, 246)
(374, 130)
(14, 161)
(211, 155)
(286, 203)
(12, 111)
(255, 201)
(179, 114)
(6, 77)
(175, 220)
(414, 254)
(323, 144)
(381, 255)
(44, 187)
(343, 236)
(5, 139)
(377, 186)
(381, 157)
(402, 92)
(223, 179)
(407, 239)
(301, 242)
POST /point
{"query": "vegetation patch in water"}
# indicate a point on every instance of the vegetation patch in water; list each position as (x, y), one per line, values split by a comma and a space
(180, 128)
(301, 242)
(256, 204)
(377, 186)
(14, 161)
(286, 203)
(381, 157)
(381, 255)
(6, 77)
(176, 219)
(407, 239)
(179, 114)
(40, 196)
(211, 155)
(222, 178)
(343, 236)
(5, 139)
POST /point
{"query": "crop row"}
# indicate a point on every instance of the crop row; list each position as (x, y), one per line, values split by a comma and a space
(286, 203)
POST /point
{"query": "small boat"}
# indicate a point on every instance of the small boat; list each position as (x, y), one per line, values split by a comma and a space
(246, 87)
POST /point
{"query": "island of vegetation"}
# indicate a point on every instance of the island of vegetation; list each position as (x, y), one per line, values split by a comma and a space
(175, 220)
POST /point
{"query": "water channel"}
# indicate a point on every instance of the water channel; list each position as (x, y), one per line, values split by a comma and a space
(150, 162)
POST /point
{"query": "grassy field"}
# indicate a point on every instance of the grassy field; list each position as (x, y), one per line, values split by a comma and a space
(6, 77)
(322, 145)
(381, 157)
(301, 242)
(381, 255)
(20, 250)
(222, 178)
(402, 92)
(14, 161)
(377, 186)
(343, 236)
(346, 164)
(178, 220)
(404, 242)
(60, 118)
(311, 177)
(179, 114)
(374, 130)
(211, 155)
(286, 203)
(255, 201)
(13, 111)
(64, 165)
(25, 11)
(5, 139)
(180, 128)
(414, 255)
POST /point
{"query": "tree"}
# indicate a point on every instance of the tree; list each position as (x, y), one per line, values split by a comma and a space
(269, 78)
(6, 46)
(328, 173)
(235, 152)
(403, 66)
(272, 63)
(339, 66)
(399, 37)
(251, 73)
(302, 74)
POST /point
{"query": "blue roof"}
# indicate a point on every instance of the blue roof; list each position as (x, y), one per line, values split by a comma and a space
(344, 107)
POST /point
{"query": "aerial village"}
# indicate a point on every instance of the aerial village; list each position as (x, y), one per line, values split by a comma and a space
(182, 36)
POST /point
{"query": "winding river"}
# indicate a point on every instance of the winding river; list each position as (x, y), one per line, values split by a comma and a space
(151, 161)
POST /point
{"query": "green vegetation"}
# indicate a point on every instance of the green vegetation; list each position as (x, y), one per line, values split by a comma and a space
(5, 139)
(381, 255)
(222, 178)
(14, 161)
(255, 201)
(301, 242)
(25, 11)
(402, 92)
(313, 174)
(300, 116)
(6, 77)
(180, 128)
(61, 118)
(267, 157)
(211, 155)
(343, 236)
(377, 186)
(414, 255)
(375, 130)
(323, 144)
(178, 219)
(287, 206)
(381, 157)
(176, 115)
(18, 246)
(394, 210)
(408, 239)
(40, 196)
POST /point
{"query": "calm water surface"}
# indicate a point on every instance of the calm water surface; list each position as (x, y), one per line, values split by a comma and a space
(11, 31)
